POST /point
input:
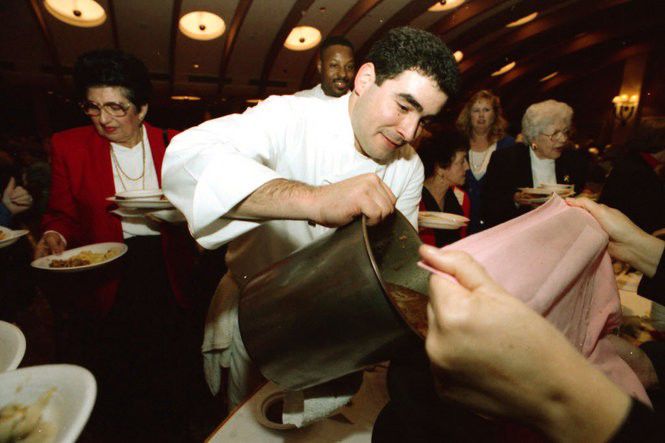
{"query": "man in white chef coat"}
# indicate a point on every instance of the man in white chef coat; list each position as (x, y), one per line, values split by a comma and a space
(337, 68)
(307, 165)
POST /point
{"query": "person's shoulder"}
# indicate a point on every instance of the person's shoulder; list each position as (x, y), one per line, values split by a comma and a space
(72, 138)
(505, 142)
(511, 151)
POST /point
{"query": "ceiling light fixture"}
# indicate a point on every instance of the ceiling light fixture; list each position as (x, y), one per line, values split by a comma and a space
(549, 76)
(522, 21)
(82, 13)
(202, 25)
(445, 5)
(186, 98)
(302, 38)
(459, 55)
(504, 69)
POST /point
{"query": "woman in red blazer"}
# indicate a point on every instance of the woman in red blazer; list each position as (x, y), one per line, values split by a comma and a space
(126, 321)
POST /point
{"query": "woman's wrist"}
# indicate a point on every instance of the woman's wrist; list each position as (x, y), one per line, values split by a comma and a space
(645, 253)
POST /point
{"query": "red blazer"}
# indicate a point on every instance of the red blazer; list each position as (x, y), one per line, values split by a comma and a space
(82, 179)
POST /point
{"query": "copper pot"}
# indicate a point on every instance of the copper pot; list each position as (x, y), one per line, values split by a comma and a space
(322, 312)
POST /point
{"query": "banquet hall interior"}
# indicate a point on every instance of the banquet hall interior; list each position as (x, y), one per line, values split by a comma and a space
(209, 59)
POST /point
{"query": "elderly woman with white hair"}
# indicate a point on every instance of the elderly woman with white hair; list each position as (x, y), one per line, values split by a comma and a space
(543, 158)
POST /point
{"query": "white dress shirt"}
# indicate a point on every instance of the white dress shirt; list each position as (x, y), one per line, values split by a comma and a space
(543, 170)
(210, 168)
(316, 91)
(131, 162)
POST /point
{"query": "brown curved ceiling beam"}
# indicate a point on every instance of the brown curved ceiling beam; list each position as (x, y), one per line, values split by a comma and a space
(482, 60)
(402, 17)
(175, 18)
(465, 14)
(231, 38)
(114, 25)
(355, 14)
(290, 21)
(48, 40)
(575, 49)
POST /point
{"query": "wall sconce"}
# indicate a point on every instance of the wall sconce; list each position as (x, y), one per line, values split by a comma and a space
(624, 107)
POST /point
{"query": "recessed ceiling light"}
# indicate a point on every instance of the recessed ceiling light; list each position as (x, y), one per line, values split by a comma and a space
(202, 25)
(504, 69)
(522, 21)
(549, 76)
(302, 38)
(187, 98)
(83, 13)
(445, 5)
(459, 55)
(195, 66)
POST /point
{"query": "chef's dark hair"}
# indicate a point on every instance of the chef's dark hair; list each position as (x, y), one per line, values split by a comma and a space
(111, 67)
(409, 49)
(440, 149)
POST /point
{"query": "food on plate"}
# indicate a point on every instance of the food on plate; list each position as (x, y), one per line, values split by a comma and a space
(84, 258)
(412, 305)
(21, 423)
(2, 235)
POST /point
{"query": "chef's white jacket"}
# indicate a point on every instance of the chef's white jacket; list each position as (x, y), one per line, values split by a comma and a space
(210, 168)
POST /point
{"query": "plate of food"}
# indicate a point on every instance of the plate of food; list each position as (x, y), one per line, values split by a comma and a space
(142, 203)
(141, 194)
(49, 403)
(546, 191)
(9, 237)
(441, 220)
(83, 258)
(12, 347)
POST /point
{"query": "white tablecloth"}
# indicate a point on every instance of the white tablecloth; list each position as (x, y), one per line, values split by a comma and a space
(353, 424)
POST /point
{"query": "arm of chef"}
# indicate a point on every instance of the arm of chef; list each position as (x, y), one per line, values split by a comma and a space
(210, 168)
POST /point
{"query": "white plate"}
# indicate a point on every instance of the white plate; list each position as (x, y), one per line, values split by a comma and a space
(167, 216)
(445, 217)
(147, 203)
(72, 400)
(441, 220)
(141, 194)
(10, 237)
(547, 191)
(12, 346)
(43, 263)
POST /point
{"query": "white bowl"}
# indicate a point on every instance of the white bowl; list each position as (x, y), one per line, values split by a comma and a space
(70, 405)
(12, 346)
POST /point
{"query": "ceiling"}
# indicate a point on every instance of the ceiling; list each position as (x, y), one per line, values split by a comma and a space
(576, 38)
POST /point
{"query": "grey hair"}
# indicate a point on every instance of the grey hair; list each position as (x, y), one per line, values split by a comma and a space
(539, 115)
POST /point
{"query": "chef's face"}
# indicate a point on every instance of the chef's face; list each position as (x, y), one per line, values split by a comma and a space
(337, 69)
(455, 174)
(384, 118)
(122, 129)
(551, 142)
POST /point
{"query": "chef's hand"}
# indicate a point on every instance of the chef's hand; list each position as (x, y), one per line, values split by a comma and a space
(50, 243)
(15, 198)
(339, 203)
(628, 243)
(494, 354)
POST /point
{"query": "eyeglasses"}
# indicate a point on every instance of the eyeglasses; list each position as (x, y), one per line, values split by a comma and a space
(111, 108)
(560, 135)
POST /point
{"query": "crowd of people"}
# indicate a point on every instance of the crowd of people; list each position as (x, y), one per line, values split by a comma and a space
(290, 170)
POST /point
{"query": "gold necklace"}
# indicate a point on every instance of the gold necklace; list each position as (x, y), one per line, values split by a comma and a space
(121, 172)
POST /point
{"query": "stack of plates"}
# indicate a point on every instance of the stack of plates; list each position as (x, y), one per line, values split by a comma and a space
(441, 220)
(143, 199)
